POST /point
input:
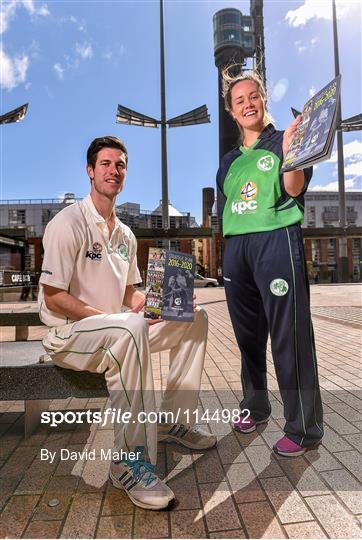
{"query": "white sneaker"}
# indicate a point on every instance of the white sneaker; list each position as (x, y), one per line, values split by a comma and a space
(191, 437)
(142, 485)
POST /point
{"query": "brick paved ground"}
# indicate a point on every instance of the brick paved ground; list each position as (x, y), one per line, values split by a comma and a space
(238, 490)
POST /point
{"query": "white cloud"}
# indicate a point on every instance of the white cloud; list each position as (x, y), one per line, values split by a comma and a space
(350, 185)
(301, 47)
(85, 50)
(7, 12)
(311, 9)
(352, 154)
(43, 10)
(353, 169)
(13, 70)
(279, 90)
(71, 19)
(8, 9)
(312, 91)
(31, 7)
(59, 70)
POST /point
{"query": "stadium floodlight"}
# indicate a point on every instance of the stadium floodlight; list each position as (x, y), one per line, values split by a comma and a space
(191, 118)
(134, 118)
(14, 116)
(354, 123)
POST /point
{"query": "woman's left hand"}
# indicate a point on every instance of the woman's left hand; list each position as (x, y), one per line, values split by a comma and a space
(289, 134)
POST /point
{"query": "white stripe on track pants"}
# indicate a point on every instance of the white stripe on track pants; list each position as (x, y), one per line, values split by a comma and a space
(119, 346)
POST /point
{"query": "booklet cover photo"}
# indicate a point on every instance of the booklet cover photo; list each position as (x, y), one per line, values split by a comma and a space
(314, 136)
(170, 285)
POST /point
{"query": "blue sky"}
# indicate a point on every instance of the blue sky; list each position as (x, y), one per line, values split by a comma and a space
(74, 61)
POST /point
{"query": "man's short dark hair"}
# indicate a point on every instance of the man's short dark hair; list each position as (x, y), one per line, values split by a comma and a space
(109, 141)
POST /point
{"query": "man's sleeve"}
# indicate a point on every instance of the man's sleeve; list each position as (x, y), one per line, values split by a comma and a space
(60, 252)
(134, 275)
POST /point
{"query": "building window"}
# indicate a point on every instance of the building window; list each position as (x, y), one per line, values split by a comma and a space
(230, 18)
(311, 222)
(175, 245)
(352, 215)
(248, 42)
(331, 250)
(231, 35)
(48, 214)
(17, 217)
(330, 214)
(356, 244)
(156, 221)
(316, 252)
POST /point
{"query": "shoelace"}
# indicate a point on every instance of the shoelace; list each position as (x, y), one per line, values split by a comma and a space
(187, 429)
(142, 470)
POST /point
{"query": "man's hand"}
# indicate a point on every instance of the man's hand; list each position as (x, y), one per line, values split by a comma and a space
(134, 299)
(154, 321)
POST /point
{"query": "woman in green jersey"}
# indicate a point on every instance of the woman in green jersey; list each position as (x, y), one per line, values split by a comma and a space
(265, 274)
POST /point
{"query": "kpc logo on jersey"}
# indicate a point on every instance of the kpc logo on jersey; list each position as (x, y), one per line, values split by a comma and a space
(96, 253)
(248, 203)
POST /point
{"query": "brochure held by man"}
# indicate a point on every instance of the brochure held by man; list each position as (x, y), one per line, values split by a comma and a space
(170, 285)
(314, 136)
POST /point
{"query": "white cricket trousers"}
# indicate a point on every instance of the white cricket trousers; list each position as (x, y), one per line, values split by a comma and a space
(120, 346)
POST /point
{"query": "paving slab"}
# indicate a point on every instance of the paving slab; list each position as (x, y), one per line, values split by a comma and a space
(238, 490)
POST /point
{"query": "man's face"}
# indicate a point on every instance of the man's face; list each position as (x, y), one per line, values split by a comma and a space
(108, 175)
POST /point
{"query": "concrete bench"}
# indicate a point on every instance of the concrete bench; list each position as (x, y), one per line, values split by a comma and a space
(27, 372)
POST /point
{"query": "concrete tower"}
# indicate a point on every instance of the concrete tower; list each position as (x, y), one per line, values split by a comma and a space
(237, 38)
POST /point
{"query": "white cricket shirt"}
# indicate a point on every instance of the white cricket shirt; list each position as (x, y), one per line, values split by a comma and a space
(80, 258)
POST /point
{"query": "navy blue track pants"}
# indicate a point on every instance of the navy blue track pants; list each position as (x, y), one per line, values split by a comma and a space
(267, 290)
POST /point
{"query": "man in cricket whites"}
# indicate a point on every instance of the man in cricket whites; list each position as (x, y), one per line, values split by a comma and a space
(88, 275)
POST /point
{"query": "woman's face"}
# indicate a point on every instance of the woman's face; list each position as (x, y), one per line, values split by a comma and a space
(247, 105)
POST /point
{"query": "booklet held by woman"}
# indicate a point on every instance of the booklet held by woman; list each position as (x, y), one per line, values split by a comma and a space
(314, 136)
(170, 285)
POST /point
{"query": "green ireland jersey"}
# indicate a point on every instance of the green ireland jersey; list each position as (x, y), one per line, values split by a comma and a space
(251, 195)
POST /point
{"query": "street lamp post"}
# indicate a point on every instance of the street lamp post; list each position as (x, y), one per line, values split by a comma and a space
(196, 116)
(165, 212)
(342, 261)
